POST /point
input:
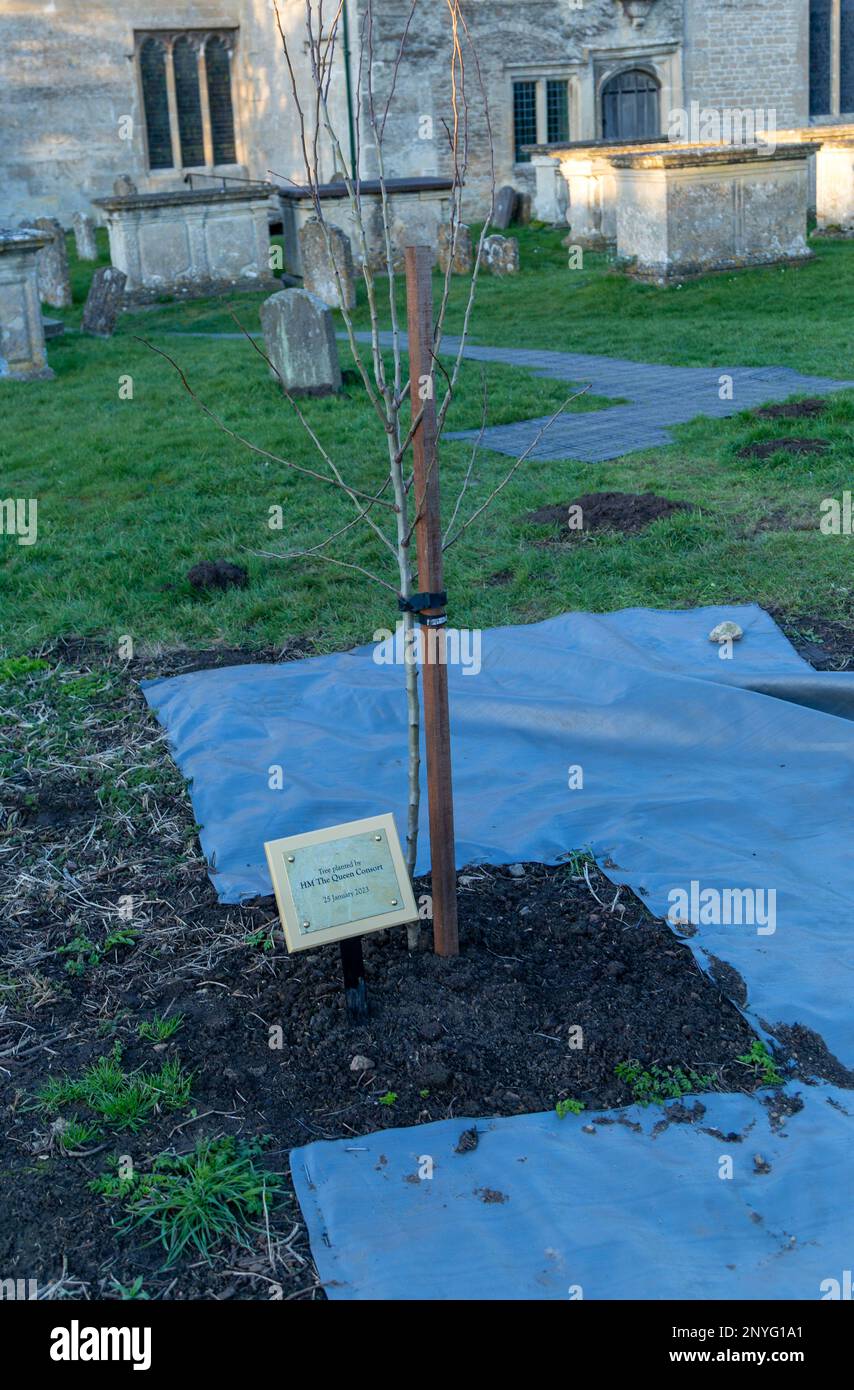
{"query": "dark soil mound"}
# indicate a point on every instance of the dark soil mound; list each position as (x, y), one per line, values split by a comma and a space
(765, 448)
(607, 511)
(793, 410)
(490, 1032)
(217, 574)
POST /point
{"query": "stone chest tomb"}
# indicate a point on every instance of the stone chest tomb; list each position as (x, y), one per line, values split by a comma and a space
(192, 242)
(22, 351)
(684, 210)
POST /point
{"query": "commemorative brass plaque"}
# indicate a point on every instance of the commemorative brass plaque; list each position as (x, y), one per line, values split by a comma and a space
(343, 881)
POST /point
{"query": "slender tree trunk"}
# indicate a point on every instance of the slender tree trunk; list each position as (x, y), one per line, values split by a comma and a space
(413, 707)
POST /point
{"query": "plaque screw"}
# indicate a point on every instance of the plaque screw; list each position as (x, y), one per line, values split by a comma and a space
(394, 902)
(378, 837)
(290, 859)
(306, 925)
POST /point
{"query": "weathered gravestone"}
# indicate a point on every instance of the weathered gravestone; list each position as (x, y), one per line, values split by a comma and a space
(501, 254)
(22, 351)
(463, 255)
(323, 252)
(104, 301)
(506, 202)
(54, 281)
(300, 341)
(124, 186)
(84, 237)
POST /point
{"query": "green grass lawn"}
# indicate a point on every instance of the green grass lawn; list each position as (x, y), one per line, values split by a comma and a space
(784, 316)
(133, 492)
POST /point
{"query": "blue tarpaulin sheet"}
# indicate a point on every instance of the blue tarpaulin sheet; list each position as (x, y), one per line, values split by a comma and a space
(698, 776)
(544, 1209)
(728, 775)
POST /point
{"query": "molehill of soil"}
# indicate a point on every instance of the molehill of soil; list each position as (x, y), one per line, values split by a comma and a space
(766, 448)
(627, 512)
(806, 409)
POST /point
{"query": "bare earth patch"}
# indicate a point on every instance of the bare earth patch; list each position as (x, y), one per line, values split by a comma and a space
(806, 409)
(766, 448)
(626, 512)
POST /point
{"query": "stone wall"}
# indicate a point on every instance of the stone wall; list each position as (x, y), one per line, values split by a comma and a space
(68, 74)
(749, 53)
(535, 40)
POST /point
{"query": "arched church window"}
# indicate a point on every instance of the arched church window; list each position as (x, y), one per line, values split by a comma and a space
(846, 57)
(218, 69)
(189, 103)
(152, 69)
(188, 108)
(630, 106)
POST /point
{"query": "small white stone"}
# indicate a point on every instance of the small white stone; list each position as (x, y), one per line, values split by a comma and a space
(361, 1064)
(516, 871)
(726, 632)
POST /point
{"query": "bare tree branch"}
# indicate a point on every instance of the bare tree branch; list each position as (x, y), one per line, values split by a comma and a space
(330, 560)
(475, 449)
(521, 459)
(325, 455)
(255, 448)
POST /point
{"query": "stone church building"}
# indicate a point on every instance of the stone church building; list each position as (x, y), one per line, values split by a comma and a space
(159, 89)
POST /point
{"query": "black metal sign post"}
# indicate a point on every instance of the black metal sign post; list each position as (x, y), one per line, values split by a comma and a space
(355, 986)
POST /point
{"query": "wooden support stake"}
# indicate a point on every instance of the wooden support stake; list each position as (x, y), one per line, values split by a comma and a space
(418, 261)
(355, 986)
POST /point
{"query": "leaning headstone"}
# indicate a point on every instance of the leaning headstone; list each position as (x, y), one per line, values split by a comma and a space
(463, 255)
(124, 186)
(501, 254)
(323, 252)
(22, 350)
(54, 281)
(104, 301)
(84, 237)
(300, 339)
(506, 203)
